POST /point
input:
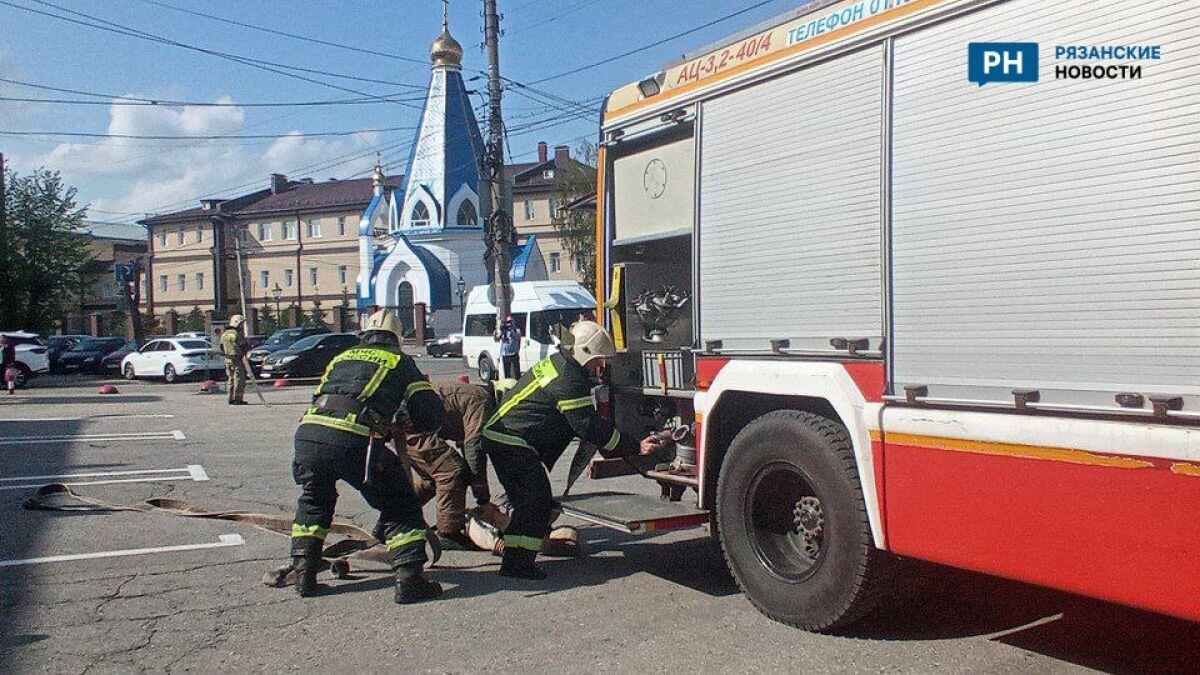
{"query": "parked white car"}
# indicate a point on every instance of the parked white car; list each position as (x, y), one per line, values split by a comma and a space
(171, 359)
(537, 307)
(32, 356)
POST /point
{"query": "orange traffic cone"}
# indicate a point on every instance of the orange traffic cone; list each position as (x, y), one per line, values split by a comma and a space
(280, 383)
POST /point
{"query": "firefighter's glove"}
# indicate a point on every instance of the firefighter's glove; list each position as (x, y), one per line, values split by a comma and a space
(651, 444)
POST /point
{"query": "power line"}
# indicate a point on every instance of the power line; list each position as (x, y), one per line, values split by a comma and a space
(546, 20)
(656, 43)
(260, 64)
(123, 99)
(78, 134)
(294, 36)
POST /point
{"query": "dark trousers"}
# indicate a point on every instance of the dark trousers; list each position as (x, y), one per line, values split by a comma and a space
(511, 363)
(522, 472)
(317, 467)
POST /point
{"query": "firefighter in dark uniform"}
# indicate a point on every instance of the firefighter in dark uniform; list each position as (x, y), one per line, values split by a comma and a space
(234, 347)
(550, 405)
(343, 436)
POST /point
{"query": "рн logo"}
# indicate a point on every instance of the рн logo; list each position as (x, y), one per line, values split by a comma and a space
(1002, 62)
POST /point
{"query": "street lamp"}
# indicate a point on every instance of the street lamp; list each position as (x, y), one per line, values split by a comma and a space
(277, 293)
(462, 289)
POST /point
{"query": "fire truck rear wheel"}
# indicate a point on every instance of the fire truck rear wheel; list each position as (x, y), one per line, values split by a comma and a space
(793, 522)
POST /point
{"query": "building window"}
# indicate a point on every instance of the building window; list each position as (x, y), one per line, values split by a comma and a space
(555, 262)
(288, 278)
(312, 276)
(341, 226)
(577, 261)
(529, 212)
(264, 280)
(199, 233)
(419, 216)
(548, 174)
(162, 238)
(264, 231)
(199, 281)
(289, 229)
(343, 273)
(108, 289)
(467, 217)
(553, 208)
(312, 228)
(181, 279)
(162, 283)
(242, 232)
(179, 236)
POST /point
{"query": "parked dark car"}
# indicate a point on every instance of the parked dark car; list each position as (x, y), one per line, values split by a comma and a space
(256, 340)
(57, 345)
(111, 363)
(451, 345)
(309, 356)
(280, 340)
(87, 354)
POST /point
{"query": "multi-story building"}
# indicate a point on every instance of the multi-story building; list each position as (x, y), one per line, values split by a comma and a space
(100, 308)
(535, 206)
(291, 246)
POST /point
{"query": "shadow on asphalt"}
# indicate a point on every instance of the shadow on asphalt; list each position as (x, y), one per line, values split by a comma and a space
(22, 534)
(944, 603)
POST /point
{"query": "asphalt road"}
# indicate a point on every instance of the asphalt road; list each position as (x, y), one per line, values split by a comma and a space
(659, 603)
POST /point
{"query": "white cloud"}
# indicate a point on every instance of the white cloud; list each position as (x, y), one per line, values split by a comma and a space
(138, 176)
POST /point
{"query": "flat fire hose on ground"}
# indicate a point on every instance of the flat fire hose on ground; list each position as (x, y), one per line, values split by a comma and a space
(355, 542)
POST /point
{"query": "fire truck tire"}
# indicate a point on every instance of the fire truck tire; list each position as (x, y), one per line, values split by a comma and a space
(793, 522)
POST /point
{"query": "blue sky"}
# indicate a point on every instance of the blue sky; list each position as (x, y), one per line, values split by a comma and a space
(122, 178)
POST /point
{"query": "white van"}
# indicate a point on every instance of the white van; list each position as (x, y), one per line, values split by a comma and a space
(536, 307)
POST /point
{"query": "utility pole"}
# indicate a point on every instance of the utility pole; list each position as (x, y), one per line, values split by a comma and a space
(499, 227)
(5, 282)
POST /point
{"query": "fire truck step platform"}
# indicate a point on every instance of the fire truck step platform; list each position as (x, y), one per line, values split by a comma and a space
(632, 513)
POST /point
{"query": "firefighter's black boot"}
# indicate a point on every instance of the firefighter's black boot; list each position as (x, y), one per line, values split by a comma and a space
(518, 563)
(412, 587)
(306, 574)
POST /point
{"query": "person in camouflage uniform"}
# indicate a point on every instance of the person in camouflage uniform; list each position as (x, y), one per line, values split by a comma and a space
(234, 347)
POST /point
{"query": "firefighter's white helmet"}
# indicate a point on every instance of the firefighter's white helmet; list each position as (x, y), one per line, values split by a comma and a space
(236, 320)
(385, 320)
(589, 341)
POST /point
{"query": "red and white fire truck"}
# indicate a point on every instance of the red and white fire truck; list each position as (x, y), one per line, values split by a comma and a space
(905, 313)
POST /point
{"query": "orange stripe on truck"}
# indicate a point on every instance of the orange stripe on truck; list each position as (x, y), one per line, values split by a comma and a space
(1071, 455)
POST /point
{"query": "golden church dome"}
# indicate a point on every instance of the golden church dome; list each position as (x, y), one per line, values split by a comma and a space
(445, 50)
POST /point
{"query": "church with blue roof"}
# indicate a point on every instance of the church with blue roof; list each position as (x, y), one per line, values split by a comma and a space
(416, 241)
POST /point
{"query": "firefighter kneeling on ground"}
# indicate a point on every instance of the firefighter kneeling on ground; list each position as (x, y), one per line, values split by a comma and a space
(438, 470)
(343, 436)
(538, 418)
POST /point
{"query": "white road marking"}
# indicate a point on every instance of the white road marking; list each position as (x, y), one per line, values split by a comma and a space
(96, 474)
(223, 541)
(194, 472)
(88, 418)
(176, 435)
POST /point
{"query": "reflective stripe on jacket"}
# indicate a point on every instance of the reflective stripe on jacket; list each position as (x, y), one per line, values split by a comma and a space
(551, 404)
(382, 378)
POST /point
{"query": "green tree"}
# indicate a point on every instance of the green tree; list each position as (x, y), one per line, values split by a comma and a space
(193, 322)
(45, 249)
(578, 227)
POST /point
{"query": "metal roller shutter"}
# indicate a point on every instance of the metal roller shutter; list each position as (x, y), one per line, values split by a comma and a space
(1047, 234)
(790, 208)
